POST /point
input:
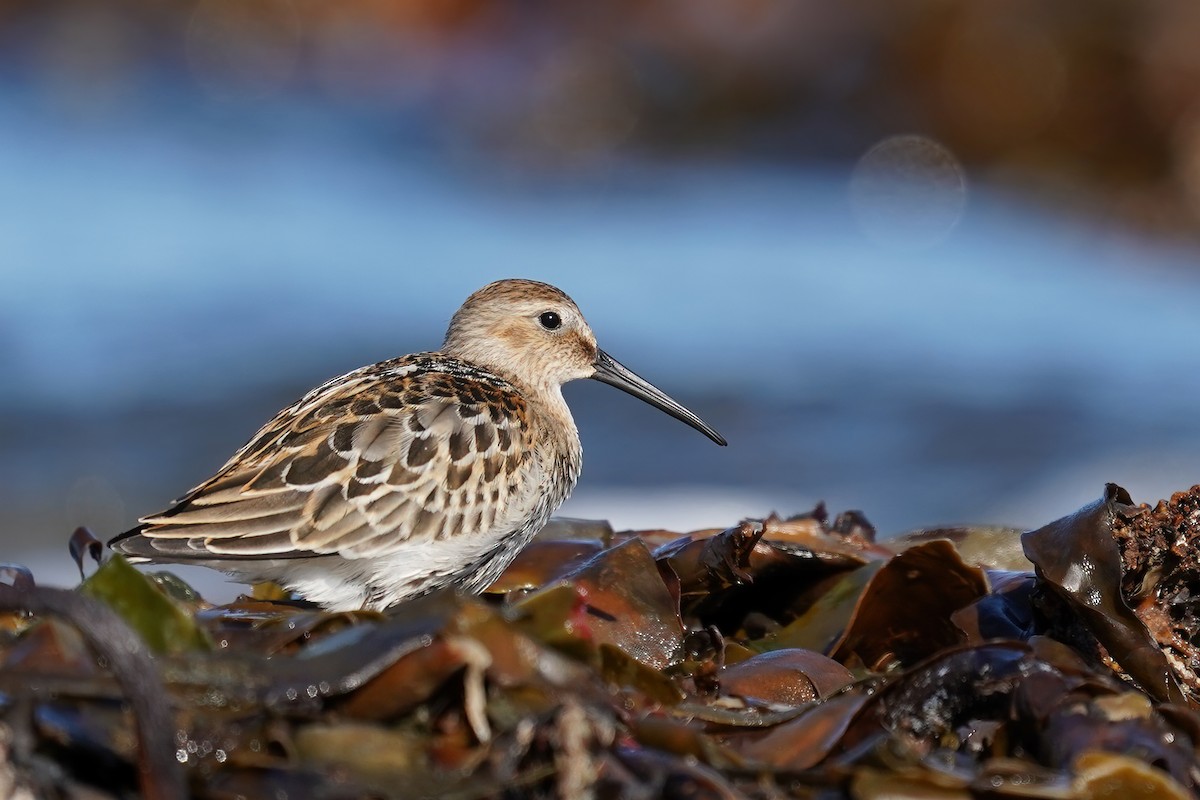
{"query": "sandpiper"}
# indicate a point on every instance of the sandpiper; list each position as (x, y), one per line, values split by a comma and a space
(409, 475)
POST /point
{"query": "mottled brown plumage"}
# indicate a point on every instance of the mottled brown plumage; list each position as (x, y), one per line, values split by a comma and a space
(405, 476)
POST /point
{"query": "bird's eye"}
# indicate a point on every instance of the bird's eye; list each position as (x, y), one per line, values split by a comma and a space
(550, 320)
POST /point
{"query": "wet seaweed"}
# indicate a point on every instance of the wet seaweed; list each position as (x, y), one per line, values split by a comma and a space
(775, 658)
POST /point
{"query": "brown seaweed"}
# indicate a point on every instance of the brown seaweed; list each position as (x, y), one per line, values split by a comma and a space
(1077, 558)
(774, 658)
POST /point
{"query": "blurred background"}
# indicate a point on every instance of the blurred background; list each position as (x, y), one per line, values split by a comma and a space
(931, 260)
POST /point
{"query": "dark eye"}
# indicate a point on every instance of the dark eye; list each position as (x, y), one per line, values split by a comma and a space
(550, 320)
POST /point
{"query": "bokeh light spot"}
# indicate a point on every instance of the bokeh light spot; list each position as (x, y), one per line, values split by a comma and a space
(908, 192)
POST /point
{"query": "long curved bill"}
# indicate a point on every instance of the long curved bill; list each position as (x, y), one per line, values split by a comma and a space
(610, 371)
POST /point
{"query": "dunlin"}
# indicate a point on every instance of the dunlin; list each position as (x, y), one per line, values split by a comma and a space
(409, 475)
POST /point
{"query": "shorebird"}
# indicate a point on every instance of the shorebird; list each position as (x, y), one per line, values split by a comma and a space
(410, 475)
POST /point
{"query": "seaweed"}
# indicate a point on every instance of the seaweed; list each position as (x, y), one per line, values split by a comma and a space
(775, 658)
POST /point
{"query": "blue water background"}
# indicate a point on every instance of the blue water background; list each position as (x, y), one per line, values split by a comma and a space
(165, 289)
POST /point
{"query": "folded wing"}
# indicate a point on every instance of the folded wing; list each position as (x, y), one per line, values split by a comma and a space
(398, 452)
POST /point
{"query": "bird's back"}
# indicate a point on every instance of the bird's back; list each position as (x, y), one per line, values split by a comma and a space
(425, 448)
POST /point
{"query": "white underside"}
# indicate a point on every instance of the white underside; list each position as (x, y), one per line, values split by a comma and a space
(347, 584)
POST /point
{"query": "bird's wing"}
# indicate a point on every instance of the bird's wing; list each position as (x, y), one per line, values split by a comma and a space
(359, 467)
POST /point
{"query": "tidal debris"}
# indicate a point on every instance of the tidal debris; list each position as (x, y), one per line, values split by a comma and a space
(775, 658)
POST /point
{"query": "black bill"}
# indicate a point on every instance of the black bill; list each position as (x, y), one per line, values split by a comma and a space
(611, 372)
